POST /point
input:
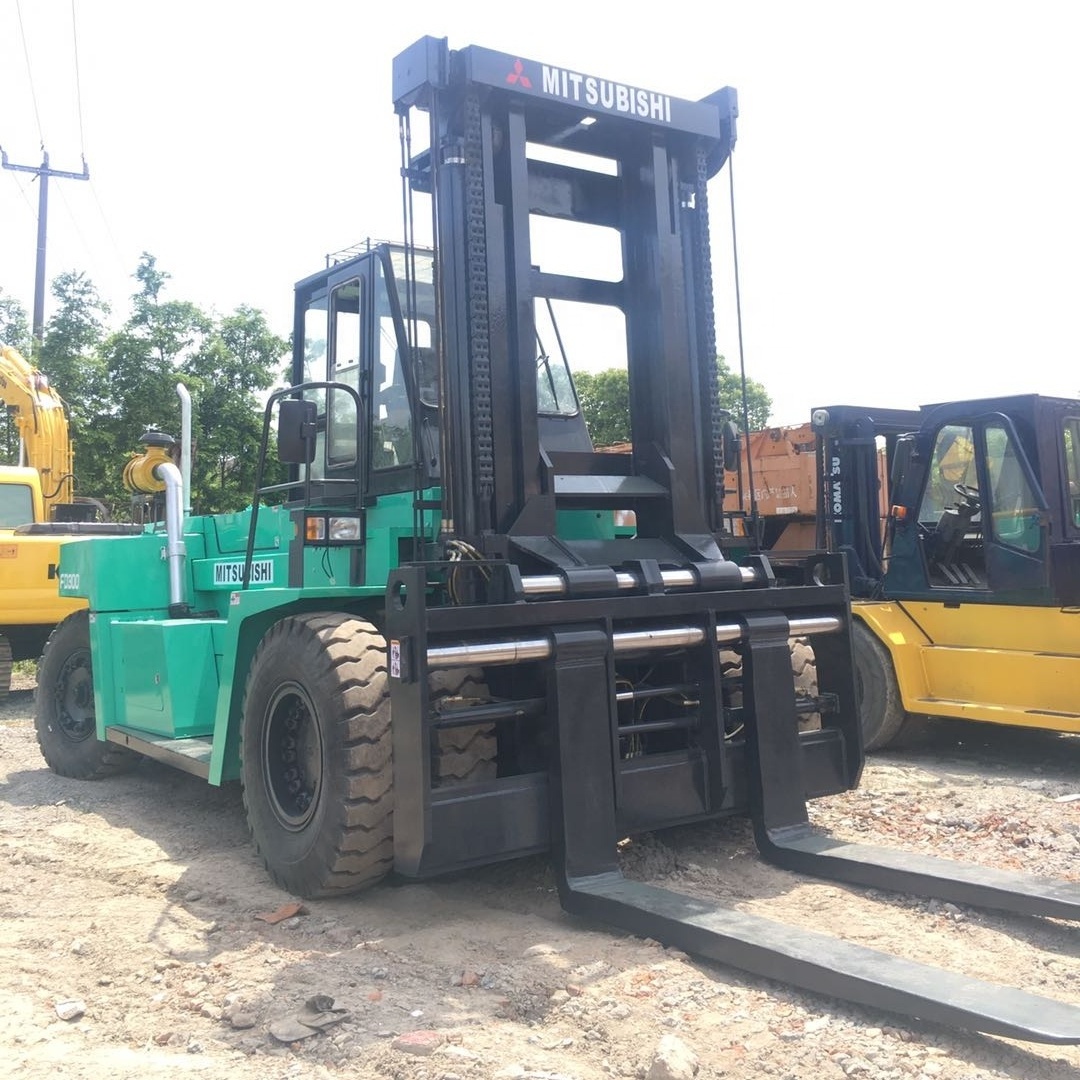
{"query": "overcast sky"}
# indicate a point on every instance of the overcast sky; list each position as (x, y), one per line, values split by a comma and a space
(907, 181)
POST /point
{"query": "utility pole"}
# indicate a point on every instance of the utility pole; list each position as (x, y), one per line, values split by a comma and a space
(43, 173)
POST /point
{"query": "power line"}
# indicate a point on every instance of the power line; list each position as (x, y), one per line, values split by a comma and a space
(75, 224)
(78, 81)
(22, 191)
(30, 74)
(108, 229)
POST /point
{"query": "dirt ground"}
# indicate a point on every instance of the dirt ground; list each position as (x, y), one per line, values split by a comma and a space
(133, 943)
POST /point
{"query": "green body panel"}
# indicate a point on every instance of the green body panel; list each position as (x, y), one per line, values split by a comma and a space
(167, 679)
(127, 573)
(184, 677)
(230, 531)
(589, 525)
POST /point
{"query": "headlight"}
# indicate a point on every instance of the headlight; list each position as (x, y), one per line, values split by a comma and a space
(344, 529)
(333, 529)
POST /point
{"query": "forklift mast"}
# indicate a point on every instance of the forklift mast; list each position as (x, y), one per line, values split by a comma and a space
(589, 631)
(514, 142)
(851, 506)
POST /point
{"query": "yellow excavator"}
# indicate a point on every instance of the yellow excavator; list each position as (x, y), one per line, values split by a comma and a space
(39, 511)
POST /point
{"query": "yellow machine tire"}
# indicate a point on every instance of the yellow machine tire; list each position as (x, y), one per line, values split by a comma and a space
(64, 708)
(877, 693)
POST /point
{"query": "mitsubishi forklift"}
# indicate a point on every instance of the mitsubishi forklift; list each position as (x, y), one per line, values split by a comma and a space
(432, 647)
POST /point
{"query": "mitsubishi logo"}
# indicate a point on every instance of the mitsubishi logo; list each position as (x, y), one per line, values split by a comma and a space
(519, 77)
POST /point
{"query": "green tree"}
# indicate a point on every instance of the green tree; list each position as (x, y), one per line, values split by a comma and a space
(758, 401)
(71, 358)
(143, 363)
(14, 324)
(604, 397)
(228, 375)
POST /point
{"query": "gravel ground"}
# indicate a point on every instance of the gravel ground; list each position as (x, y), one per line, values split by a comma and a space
(139, 935)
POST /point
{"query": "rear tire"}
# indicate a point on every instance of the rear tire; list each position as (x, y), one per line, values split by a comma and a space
(6, 665)
(64, 708)
(803, 672)
(877, 693)
(804, 669)
(316, 754)
(464, 755)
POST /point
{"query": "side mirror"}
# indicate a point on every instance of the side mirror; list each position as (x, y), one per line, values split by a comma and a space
(905, 455)
(297, 421)
(732, 446)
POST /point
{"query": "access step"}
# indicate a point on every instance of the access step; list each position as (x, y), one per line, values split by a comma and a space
(190, 755)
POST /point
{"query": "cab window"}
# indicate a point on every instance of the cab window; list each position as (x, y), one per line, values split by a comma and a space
(391, 423)
(344, 367)
(1071, 441)
(1015, 514)
(16, 505)
(952, 463)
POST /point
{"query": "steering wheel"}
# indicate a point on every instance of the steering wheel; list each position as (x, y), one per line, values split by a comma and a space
(969, 496)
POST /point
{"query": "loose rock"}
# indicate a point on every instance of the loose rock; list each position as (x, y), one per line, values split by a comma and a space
(673, 1060)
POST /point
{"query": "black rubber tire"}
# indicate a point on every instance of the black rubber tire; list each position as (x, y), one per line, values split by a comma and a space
(64, 708)
(6, 664)
(876, 690)
(803, 672)
(464, 755)
(318, 702)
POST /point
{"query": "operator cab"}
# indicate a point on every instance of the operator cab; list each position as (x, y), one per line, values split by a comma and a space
(975, 519)
(369, 323)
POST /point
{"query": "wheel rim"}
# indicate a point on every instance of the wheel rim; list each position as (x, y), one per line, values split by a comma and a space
(74, 697)
(292, 755)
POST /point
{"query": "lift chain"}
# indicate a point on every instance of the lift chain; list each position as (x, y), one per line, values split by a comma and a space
(479, 330)
(706, 329)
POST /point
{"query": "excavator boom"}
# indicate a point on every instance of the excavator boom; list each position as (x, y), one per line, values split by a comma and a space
(41, 418)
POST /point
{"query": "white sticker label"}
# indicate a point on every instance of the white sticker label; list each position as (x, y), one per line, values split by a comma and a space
(395, 659)
(232, 573)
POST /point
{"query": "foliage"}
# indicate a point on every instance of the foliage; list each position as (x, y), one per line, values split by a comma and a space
(71, 358)
(119, 384)
(604, 397)
(758, 401)
(14, 324)
(239, 358)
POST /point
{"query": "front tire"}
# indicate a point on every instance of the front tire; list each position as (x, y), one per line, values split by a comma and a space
(881, 710)
(64, 708)
(316, 754)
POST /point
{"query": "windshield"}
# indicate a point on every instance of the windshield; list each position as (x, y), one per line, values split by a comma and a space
(16, 505)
